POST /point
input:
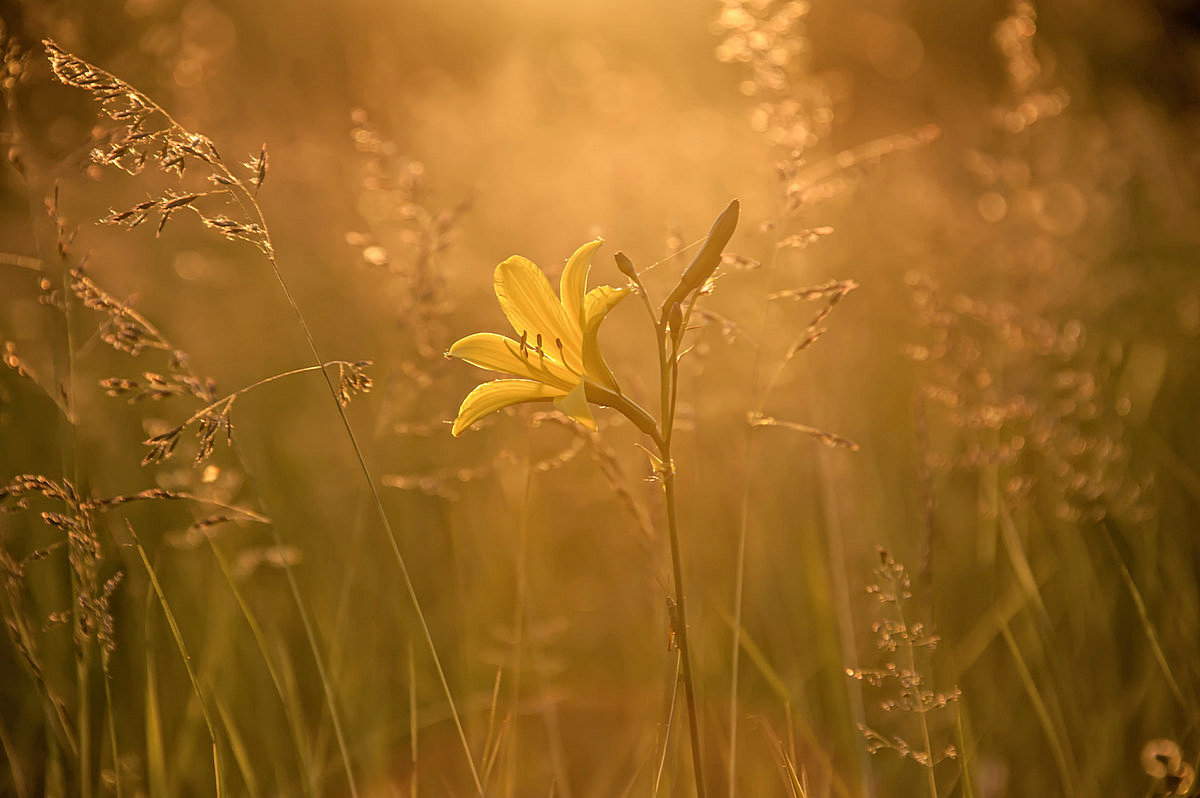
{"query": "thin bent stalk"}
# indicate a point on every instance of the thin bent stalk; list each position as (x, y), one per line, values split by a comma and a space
(252, 204)
(289, 709)
(83, 75)
(681, 627)
(662, 760)
(743, 524)
(112, 722)
(187, 660)
(519, 611)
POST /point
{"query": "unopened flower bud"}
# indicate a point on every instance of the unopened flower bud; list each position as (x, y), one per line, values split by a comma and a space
(626, 266)
(708, 258)
(675, 319)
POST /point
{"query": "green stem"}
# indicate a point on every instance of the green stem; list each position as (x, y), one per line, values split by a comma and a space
(600, 395)
(681, 635)
(83, 653)
(84, 720)
(112, 724)
(228, 399)
(920, 697)
(669, 377)
(173, 625)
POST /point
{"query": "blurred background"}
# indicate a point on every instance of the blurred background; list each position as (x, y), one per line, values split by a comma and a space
(998, 204)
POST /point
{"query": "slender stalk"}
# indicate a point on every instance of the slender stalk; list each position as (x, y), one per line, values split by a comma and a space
(237, 190)
(110, 711)
(83, 652)
(293, 588)
(84, 718)
(669, 378)
(668, 369)
(739, 577)
(518, 634)
(662, 760)
(289, 709)
(920, 696)
(187, 659)
(228, 399)
(410, 589)
(412, 721)
(681, 636)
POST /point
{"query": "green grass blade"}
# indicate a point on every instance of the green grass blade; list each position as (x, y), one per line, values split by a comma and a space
(187, 660)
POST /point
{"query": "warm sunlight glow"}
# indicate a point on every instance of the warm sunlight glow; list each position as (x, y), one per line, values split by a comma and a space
(724, 399)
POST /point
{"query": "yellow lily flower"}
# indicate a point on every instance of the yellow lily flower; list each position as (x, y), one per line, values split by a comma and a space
(556, 355)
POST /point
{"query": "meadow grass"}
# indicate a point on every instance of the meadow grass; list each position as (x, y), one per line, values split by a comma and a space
(881, 487)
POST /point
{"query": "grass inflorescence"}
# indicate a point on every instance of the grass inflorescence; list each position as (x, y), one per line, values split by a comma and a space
(268, 526)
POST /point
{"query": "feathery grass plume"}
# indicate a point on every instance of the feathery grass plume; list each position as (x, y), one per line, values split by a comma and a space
(85, 555)
(445, 483)
(610, 467)
(902, 677)
(407, 234)
(89, 613)
(24, 629)
(1017, 386)
(85, 552)
(1038, 204)
(128, 331)
(830, 294)
(148, 135)
(216, 417)
(795, 111)
(830, 439)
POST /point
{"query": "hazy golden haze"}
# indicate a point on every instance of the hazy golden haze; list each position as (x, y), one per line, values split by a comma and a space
(964, 262)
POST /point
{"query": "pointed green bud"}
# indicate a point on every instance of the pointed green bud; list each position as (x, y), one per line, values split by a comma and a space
(626, 266)
(707, 259)
(675, 319)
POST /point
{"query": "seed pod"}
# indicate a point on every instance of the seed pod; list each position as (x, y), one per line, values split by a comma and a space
(707, 259)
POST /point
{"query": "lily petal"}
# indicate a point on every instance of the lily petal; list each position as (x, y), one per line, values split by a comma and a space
(598, 302)
(498, 394)
(498, 353)
(573, 284)
(532, 308)
(575, 405)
